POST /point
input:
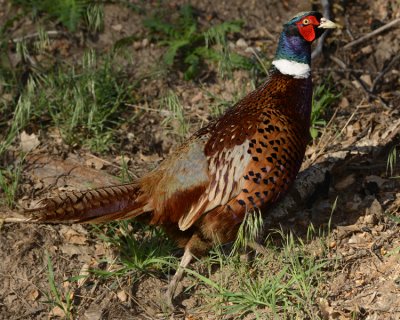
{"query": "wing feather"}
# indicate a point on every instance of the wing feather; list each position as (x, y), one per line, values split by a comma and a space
(226, 182)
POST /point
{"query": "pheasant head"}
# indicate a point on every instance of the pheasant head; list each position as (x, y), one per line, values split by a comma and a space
(293, 56)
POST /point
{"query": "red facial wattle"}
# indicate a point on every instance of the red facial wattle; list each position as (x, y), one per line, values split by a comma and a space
(307, 31)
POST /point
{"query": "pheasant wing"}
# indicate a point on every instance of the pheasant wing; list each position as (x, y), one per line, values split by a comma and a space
(227, 157)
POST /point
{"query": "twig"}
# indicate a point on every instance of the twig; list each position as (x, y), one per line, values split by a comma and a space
(348, 30)
(362, 84)
(143, 108)
(259, 60)
(327, 14)
(110, 164)
(384, 71)
(372, 34)
(17, 220)
(333, 138)
(37, 34)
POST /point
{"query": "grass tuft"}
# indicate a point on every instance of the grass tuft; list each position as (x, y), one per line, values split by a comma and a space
(56, 297)
(175, 114)
(323, 97)
(85, 103)
(70, 13)
(284, 284)
(142, 252)
(391, 161)
(191, 46)
(9, 183)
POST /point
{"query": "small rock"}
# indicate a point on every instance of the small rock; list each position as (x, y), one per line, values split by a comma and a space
(149, 158)
(354, 239)
(28, 141)
(356, 84)
(98, 164)
(370, 219)
(130, 136)
(367, 79)
(367, 50)
(137, 45)
(344, 103)
(375, 209)
(145, 42)
(122, 296)
(117, 27)
(241, 43)
(251, 49)
(100, 250)
(359, 282)
(346, 182)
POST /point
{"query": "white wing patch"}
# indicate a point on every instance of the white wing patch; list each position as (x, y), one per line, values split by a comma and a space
(226, 169)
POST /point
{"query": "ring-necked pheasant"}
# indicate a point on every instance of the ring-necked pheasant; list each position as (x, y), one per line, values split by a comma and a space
(246, 159)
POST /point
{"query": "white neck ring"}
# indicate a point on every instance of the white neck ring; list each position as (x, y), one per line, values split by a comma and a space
(292, 68)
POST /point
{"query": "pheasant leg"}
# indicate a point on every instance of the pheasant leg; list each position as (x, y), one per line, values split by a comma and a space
(186, 258)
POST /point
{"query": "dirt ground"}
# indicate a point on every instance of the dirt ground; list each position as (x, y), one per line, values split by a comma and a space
(364, 237)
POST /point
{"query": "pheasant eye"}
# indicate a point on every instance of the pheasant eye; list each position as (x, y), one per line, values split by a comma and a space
(306, 22)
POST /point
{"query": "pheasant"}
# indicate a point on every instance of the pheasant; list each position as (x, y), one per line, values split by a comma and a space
(244, 160)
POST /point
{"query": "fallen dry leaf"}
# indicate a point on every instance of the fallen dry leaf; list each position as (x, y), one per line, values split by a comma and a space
(57, 312)
(345, 183)
(96, 163)
(33, 295)
(28, 141)
(72, 236)
(84, 273)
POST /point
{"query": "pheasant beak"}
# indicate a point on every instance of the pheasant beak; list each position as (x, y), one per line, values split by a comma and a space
(327, 24)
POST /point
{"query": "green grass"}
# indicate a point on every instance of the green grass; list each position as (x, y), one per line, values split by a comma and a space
(69, 13)
(189, 46)
(323, 97)
(284, 284)
(391, 161)
(56, 296)
(175, 117)
(9, 183)
(85, 102)
(145, 251)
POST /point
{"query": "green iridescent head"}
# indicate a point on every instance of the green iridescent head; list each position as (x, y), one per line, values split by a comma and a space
(298, 34)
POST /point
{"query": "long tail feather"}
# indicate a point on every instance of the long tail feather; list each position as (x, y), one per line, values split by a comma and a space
(93, 206)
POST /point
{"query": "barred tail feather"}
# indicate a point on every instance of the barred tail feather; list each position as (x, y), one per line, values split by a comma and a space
(94, 205)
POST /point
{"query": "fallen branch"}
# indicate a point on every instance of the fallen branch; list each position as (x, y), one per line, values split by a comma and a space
(372, 34)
